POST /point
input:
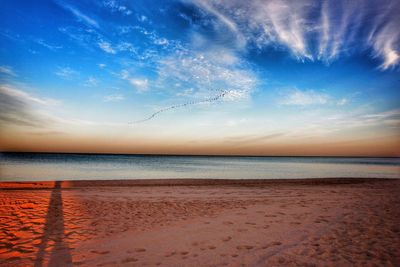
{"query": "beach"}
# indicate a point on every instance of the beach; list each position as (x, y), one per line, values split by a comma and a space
(201, 222)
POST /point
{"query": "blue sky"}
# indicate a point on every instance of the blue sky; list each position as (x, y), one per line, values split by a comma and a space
(201, 76)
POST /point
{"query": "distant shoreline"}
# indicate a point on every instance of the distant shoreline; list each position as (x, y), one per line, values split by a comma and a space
(194, 155)
(70, 184)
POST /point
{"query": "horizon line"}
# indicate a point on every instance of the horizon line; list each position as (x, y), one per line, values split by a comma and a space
(193, 155)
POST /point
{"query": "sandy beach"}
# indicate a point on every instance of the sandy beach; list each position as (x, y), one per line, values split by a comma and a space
(316, 222)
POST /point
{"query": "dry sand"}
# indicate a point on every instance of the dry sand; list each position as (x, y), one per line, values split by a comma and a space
(336, 222)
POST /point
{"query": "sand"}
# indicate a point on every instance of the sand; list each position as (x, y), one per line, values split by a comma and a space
(335, 222)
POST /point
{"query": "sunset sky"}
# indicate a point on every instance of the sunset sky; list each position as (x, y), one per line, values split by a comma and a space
(201, 77)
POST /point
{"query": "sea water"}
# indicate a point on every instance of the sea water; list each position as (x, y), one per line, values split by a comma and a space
(53, 166)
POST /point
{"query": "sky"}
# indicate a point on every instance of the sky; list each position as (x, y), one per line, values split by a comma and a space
(285, 78)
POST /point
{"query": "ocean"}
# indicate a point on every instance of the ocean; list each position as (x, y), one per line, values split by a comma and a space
(59, 166)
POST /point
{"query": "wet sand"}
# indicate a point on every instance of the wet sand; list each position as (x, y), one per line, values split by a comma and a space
(318, 222)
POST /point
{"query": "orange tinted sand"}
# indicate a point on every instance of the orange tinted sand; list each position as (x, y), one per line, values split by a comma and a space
(336, 222)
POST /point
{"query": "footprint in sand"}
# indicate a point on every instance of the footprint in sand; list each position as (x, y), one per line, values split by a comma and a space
(276, 243)
(127, 260)
(184, 253)
(227, 223)
(170, 254)
(226, 239)
(244, 247)
(212, 247)
(107, 263)
(100, 252)
(234, 255)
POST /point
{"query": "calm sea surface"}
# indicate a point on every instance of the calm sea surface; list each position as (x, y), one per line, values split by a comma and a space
(37, 166)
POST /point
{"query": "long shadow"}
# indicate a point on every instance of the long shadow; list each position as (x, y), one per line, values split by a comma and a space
(54, 231)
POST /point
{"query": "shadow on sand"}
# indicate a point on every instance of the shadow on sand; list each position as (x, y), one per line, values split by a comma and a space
(53, 233)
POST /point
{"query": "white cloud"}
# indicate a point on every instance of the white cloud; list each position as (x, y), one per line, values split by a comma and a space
(124, 74)
(186, 92)
(285, 22)
(66, 73)
(7, 70)
(342, 101)
(139, 84)
(78, 14)
(235, 122)
(48, 46)
(224, 19)
(114, 6)
(21, 109)
(314, 30)
(390, 114)
(91, 81)
(26, 97)
(113, 98)
(161, 41)
(142, 18)
(298, 97)
(386, 45)
(207, 74)
(126, 46)
(264, 23)
(201, 78)
(102, 65)
(106, 47)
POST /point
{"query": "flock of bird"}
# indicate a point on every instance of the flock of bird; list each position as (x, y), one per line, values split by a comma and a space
(207, 100)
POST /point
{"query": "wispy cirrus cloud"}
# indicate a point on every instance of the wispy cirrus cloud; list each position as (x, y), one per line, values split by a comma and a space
(308, 97)
(47, 45)
(115, 6)
(26, 97)
(204, 73)
(113, 98)
(314, 30)
(66, 72)
(106, 47)
(341, 121)
(16, 107)
(386, 44)
(7, 70)
(296, 97)
(91, 82)
(78, 14)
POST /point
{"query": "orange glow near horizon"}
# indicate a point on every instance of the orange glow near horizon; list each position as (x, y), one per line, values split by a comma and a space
(370, 147)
